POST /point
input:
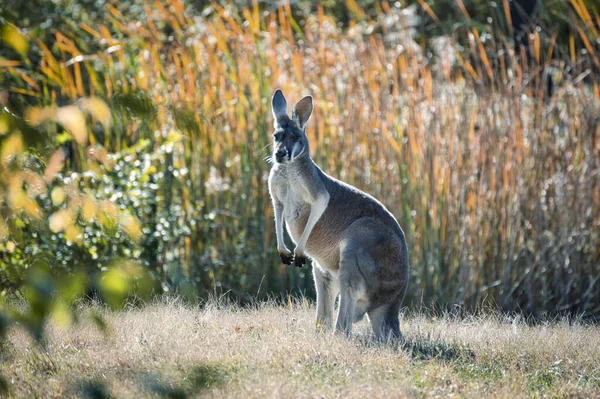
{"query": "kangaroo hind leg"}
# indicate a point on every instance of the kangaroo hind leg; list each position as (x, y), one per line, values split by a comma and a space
(352, 292)
(327, 290)
(385, 322)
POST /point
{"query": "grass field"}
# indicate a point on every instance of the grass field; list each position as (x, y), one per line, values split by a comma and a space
(172, 350)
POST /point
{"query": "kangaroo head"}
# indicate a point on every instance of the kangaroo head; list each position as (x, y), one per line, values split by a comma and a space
(289, 139)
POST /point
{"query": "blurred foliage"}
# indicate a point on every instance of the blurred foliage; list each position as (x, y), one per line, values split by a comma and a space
(64, 234)
(133, 137)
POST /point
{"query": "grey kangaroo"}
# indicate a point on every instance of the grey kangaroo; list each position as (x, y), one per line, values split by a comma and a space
(356, 245)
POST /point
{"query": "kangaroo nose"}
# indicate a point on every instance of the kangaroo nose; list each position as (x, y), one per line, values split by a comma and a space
(280, 154)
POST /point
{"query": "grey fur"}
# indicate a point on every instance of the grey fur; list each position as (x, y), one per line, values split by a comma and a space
(356, 245)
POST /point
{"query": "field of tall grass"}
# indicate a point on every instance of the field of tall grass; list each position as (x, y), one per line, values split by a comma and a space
(154, 125)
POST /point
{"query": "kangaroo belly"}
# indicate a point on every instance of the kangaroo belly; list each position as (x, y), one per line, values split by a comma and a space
(323, 242)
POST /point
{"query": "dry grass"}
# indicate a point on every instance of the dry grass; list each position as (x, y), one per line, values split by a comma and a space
(173, 350)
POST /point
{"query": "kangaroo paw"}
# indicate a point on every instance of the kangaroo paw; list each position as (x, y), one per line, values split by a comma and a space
(286, 258)
(299, 260)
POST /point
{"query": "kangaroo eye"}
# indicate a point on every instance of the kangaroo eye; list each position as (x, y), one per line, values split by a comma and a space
(277, 135)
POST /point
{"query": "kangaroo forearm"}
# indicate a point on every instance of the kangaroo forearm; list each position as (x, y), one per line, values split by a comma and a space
(279, 226)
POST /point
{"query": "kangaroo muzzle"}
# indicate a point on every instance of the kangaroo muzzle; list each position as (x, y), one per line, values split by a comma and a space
(281, 154)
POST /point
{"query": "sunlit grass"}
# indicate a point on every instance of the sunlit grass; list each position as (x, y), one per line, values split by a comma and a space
(168, 349)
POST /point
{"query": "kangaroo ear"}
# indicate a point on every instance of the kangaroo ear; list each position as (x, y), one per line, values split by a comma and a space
(279, 107)
(302, 111)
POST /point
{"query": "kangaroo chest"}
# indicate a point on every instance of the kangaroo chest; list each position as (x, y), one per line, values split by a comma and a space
(288, 188)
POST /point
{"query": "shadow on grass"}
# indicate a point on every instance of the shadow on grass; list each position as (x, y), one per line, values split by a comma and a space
(424, 348)
(94, 389)
(193, 382)
(207, 376)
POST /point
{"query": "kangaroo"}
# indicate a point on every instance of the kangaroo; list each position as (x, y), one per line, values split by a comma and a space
(356, 245)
